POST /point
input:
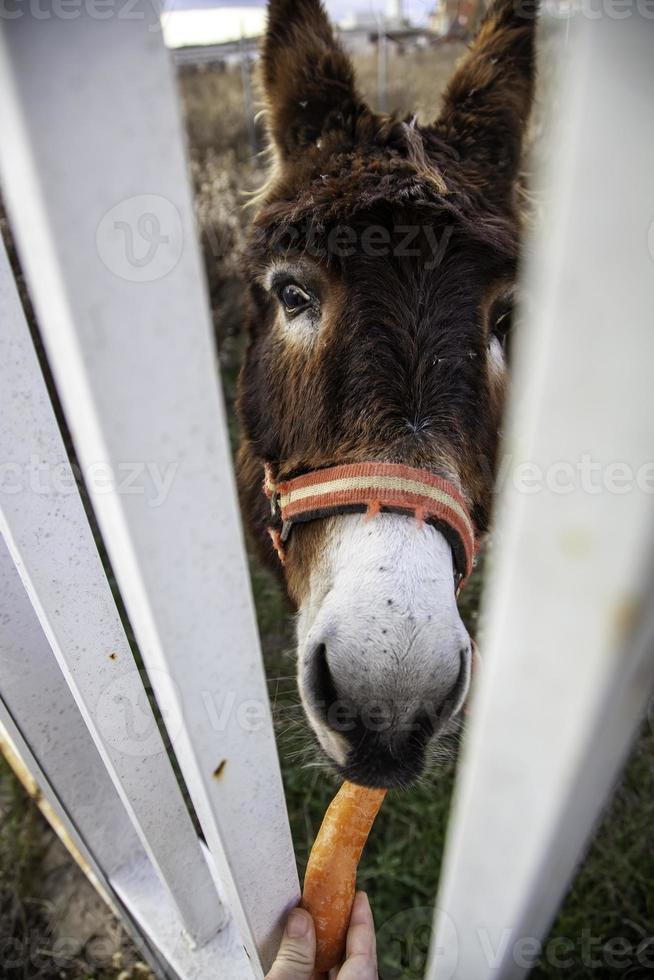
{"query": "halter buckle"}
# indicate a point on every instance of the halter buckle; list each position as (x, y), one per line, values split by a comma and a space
(286, 530)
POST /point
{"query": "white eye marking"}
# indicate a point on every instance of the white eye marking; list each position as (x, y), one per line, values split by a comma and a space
(496, 354)
(302, 328)
(496, 362)
(299, 310)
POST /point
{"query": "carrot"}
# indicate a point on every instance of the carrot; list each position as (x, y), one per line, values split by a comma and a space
(330, 879)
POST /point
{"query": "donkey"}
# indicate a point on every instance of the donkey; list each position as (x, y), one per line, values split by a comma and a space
(380, 268)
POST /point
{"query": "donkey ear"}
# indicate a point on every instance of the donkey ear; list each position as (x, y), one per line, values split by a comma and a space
(307, 77)
(487, 103)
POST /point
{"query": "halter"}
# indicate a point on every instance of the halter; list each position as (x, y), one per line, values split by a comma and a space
(372, 487)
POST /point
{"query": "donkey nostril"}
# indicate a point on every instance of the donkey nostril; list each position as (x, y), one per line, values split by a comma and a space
(438, 710)
(422, 730)
(457, 695)
(321, 681)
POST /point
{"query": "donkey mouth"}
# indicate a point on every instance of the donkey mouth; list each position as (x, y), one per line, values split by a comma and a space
(384, 745)
(390, 763)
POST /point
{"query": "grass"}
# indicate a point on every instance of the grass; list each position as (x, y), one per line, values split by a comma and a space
(611, 898)
(53, 925)
(612, 894)
(22, 850)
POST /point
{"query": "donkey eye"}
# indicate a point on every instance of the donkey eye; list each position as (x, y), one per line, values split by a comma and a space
(502, 319)
(294, 299)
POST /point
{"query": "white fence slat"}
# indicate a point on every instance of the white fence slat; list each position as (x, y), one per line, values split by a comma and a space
(46, 530)
(567, 650)
(42, 730)
(38, 700)
(96, 184)
(222, 958)
(55, 747)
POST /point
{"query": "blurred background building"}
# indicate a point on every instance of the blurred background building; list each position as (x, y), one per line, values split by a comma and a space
(214, 23)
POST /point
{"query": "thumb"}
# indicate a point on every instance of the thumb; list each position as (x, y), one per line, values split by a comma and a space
(297, 953)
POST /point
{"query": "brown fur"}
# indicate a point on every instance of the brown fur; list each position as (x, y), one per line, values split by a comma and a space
(399, 369)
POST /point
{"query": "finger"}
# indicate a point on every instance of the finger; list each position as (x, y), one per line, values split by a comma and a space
(358, 968)
(361, 933)
(297, 953)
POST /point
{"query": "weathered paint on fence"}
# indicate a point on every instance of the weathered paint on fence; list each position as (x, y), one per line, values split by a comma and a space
(48, 535)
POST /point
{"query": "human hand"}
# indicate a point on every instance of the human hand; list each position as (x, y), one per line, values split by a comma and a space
(297, 953)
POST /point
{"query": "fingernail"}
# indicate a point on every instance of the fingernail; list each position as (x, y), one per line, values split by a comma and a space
(362, 899)
(297, 926)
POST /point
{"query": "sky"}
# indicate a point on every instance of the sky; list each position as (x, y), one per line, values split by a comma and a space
(415, 9)
(191, 22)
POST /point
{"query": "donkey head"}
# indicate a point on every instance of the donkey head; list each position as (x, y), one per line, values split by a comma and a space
(380, 266)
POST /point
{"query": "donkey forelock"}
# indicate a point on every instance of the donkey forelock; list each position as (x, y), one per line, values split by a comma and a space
(380, 263)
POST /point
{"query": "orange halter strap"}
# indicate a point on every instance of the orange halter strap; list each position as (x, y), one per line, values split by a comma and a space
(373, 487)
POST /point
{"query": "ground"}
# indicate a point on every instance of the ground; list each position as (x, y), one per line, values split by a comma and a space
(44, 898)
